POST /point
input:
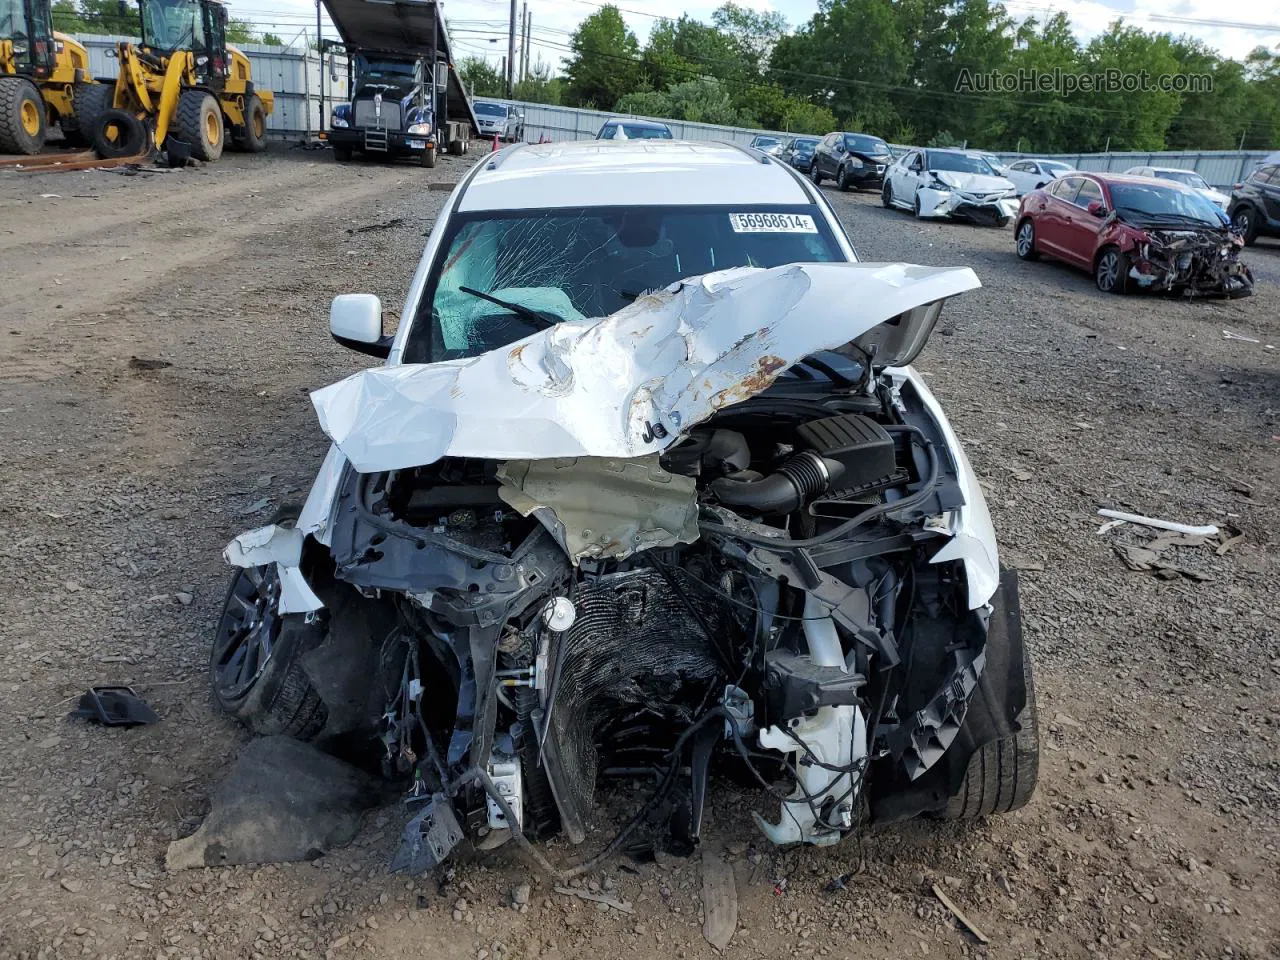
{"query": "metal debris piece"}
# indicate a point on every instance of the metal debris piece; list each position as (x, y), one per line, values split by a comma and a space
(1228, 335)
(583, 894)
(959, 915)
(719, 901)
(1209, 530)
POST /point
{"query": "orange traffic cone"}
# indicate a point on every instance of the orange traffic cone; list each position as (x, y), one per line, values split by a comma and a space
(496, 148)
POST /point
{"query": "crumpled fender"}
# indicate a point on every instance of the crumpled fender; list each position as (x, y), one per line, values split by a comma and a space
(934, 203)
(283, 547)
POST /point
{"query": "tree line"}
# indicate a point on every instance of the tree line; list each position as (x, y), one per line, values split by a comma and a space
(891, 68)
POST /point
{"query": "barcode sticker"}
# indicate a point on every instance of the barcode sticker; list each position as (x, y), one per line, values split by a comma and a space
(772, 223)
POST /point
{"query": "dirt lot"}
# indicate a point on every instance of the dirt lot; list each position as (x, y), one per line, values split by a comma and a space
(158, 338)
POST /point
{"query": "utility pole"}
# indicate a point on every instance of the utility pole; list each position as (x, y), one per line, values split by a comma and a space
(320, 57)
(511, 53)
(524, 43)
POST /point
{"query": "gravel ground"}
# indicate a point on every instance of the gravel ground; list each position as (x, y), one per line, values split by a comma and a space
(160, 337)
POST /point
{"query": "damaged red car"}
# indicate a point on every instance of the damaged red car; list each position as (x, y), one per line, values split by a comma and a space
(1134, 233)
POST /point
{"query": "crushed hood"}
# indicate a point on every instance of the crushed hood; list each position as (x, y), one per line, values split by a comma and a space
(631, 383)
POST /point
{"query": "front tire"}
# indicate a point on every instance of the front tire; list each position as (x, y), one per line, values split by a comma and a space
(842, 179)
(199, 122)
(1246, 221)
(1025, 241)
(255, 664)
(1002, 774)
(815, 174)
(1111, 272)
(886, 195)
(428, 158)
(341, 152)
(915, 205)
(23, 122)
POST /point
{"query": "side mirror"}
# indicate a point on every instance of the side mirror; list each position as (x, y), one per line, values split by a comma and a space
(1097, 208)
(355, 320)
(333, 68)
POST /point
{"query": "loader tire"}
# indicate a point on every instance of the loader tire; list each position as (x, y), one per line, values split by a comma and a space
(255, 126)
(89, 101)
(118, 133)
(23, 124)
(199, 123)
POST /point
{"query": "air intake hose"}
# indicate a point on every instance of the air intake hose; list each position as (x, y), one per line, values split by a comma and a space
(800, 478)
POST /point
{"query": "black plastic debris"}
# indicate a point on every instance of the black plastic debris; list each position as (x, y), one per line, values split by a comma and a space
(428, 838)
(114, 707)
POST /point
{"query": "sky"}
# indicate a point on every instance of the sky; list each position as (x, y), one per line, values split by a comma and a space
(479, 27)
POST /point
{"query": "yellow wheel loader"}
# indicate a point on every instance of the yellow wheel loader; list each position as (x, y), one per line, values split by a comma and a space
(42, 78)
(182, 88)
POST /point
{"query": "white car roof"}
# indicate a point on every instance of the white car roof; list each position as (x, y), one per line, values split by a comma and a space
(596, 173)
(1172, 170)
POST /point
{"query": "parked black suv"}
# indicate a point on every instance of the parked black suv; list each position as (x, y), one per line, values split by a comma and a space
(1255, 203)
(851, 159)
(799, 152)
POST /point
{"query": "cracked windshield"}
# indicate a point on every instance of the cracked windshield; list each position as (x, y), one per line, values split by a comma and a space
(504, 277)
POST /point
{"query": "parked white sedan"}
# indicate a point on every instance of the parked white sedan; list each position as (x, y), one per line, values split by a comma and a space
(1029, 174)
(949, 183)
(1188, 178)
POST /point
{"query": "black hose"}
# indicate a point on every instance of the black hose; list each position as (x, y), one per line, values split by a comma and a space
(784, 544)
(786, 489)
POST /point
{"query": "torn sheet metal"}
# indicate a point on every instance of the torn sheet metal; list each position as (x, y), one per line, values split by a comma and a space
(604, 507)
(283, 547)
(629, 384)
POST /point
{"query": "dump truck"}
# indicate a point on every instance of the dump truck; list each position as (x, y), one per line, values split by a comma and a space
(407, 99)
(182, 88)
(42, 73)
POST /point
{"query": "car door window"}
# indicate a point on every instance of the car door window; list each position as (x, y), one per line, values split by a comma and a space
(1022, 166)
(914, 162)
(1088, 192)
(1066, 188)
(1264, 175)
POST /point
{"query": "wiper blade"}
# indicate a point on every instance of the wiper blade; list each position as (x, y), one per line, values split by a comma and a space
(519, 309)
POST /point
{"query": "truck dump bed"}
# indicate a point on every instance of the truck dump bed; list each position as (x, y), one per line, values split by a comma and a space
(408, 27)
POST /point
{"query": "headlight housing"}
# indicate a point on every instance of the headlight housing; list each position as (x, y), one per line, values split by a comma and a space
(338, 122)
(855, 163)
(419, 129)
(937, 183)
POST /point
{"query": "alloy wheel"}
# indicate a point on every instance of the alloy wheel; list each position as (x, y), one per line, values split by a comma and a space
(1108, 271)
(248, 630)
(1026, 239)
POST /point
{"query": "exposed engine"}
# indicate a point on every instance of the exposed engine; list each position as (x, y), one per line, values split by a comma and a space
(774, 607)
(1192, 262)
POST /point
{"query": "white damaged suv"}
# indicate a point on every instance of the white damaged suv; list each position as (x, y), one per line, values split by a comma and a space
(645, 492)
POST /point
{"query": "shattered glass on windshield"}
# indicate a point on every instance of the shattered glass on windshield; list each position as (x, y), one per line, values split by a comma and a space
(570, 264)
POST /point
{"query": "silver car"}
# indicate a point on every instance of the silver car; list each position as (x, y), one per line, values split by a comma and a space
(499, 119)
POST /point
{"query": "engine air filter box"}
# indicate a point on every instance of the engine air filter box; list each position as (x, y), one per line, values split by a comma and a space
(859, 443)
